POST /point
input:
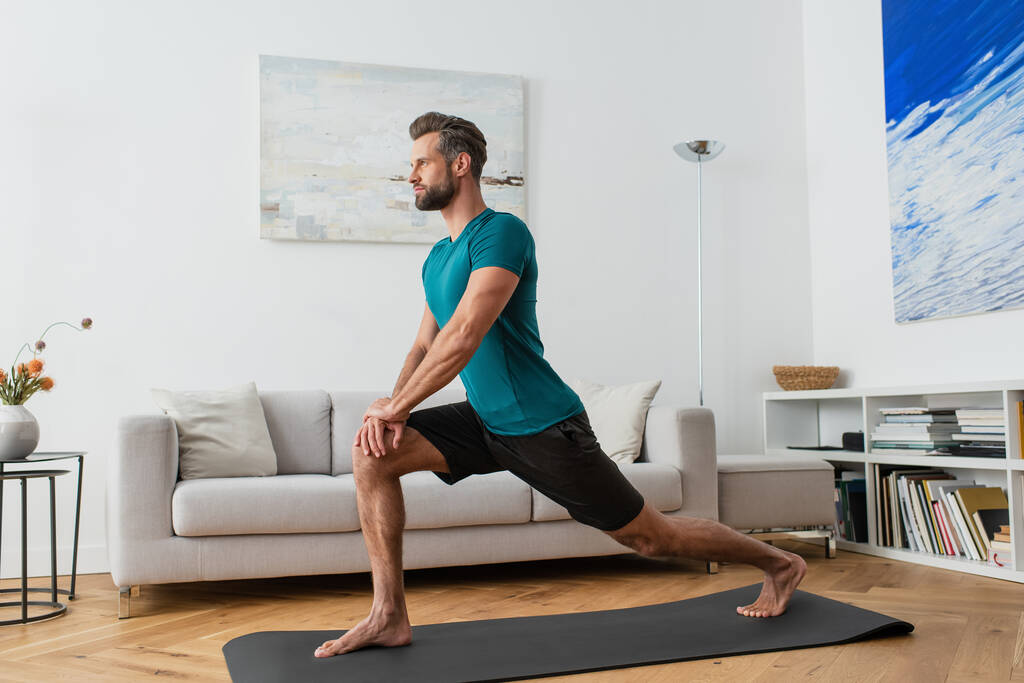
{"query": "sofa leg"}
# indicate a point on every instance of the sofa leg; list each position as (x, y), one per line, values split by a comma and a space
(830, 545)
(712, 567)
(124, 603)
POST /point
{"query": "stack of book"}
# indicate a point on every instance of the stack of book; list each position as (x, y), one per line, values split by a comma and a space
(999, 547)
(914, 430)
(929, 510)
(851, 506)
(982, 432)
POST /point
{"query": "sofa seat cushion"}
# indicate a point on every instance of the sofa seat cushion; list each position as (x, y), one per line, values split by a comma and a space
(282, 504)
(495, 498)
(660, 485)
(760, 492)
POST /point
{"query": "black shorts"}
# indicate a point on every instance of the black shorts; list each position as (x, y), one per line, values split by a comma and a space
(564, 462)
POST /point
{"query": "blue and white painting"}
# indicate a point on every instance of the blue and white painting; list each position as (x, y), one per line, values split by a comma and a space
(335, 146)
(954, 103)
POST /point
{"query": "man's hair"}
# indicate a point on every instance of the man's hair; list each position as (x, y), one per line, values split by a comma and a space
(456, 135)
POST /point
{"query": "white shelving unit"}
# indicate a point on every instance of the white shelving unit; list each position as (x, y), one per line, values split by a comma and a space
(819, 418)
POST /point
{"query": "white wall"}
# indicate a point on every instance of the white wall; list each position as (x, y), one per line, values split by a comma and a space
(130, 183)
(848, 203)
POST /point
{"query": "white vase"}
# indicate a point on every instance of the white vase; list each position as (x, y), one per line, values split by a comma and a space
(19, 432)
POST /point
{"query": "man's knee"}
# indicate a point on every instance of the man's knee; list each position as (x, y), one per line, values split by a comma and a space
(414, 453)
(641, 544)
(369, 467)
(641, 534)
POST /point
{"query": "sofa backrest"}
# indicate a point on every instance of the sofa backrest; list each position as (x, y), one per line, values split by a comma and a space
(300, 429)
(312, 430)
(347, 413)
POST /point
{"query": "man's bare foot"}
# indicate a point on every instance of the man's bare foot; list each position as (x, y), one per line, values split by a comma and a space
(368, 632)
(778, 588)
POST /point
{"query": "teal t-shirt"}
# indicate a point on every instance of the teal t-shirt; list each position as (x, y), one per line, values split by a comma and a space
(508, 382)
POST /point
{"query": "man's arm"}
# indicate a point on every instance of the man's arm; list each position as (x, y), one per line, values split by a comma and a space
(424, 338)
(486, 295)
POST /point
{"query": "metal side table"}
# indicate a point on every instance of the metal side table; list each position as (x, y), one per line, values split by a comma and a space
(24, 476)
(41, 456)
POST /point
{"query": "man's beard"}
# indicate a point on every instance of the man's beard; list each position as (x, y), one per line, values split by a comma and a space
(436, 196)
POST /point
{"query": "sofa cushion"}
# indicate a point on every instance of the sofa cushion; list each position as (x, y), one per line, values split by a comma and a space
(347, 408)
(285, 504)
(617, 415)
(495, 498)
(660, 485)
(300, 427)
(221, 432)
(758, 492)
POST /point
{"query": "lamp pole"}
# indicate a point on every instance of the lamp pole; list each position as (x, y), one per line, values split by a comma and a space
(699, 151)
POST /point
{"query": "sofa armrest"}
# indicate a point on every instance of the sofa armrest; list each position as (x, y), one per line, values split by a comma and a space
(685, 439)
(140, 481)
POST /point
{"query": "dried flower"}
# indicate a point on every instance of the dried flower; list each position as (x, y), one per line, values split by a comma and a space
(25, 379)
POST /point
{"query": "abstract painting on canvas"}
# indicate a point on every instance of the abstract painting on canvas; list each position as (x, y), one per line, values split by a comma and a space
(334, 146)
(954, 106)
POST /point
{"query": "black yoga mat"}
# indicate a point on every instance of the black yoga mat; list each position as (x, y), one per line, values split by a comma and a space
(532, 647)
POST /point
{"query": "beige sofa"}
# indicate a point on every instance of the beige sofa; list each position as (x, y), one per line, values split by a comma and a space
(304, 520)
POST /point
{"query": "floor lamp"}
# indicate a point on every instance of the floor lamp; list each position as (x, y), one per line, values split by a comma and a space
(699, 151)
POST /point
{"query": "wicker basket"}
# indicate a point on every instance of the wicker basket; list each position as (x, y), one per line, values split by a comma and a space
(797, 377)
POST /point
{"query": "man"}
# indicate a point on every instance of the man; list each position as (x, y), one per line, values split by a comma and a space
(480, 323)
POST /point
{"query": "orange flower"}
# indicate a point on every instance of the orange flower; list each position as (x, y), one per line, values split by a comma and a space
(46, 383)
(21, 369)
(3, 376)
(35, 366)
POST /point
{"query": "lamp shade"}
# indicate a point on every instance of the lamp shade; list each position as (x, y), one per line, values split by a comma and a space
(699, 150)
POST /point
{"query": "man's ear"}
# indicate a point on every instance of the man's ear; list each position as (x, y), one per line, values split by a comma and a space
(462, 164)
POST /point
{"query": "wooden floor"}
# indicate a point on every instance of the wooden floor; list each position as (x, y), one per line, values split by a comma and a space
(967, 627)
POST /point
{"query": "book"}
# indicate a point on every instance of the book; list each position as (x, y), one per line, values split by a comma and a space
(917, 411)
(973, 450)
(961, 525)
(913, 533)
(911, 445)
(988, 521)
(979, 414)
(948, 536)
(982, 422)
(840, 523)
(944, 490)
(853, 508)
(933, 491)
(914, 435)
(973, 499)
(895, 515)
(857, 492)
(929, 418)
(917, 428)
(921, 511)
(925, 518)
(1020, 428)
(928, 512)
(999, 438)
(993, 429)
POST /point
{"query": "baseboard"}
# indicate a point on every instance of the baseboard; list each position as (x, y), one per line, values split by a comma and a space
(92, 559)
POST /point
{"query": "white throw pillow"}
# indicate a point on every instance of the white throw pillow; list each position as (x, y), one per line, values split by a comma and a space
(221, 433)
(618, 415)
